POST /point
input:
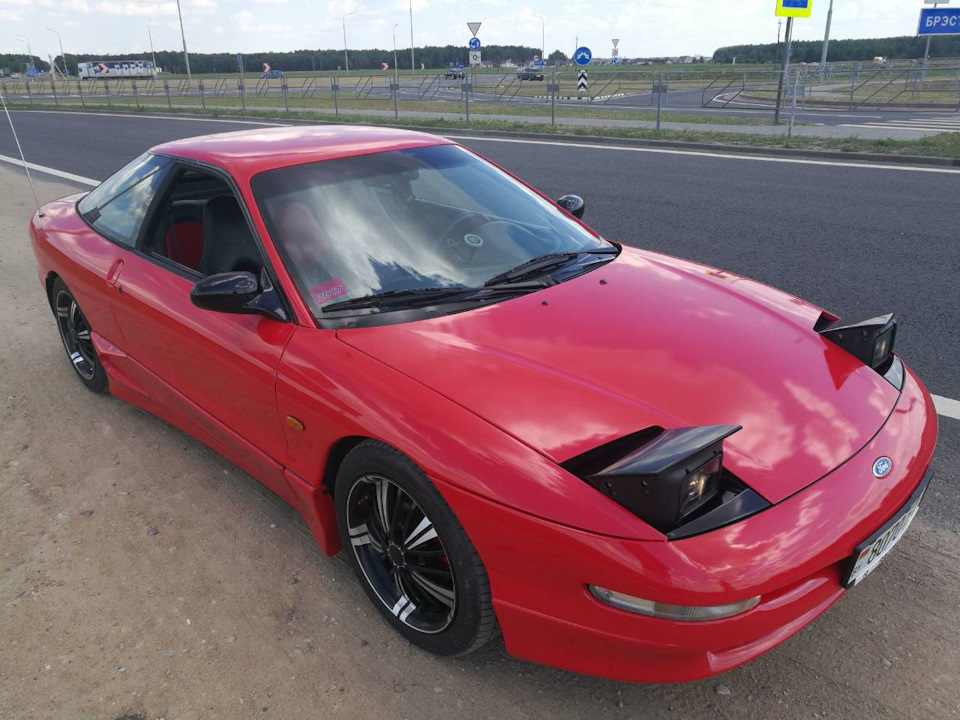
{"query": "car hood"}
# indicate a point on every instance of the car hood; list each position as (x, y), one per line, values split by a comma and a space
(652, 340)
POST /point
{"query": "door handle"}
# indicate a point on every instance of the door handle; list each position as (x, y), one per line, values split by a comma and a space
(114, 275)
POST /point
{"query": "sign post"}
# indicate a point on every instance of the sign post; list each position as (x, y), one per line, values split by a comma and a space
(615, 53)
(789, 9)
(582, 57)
(937, 21)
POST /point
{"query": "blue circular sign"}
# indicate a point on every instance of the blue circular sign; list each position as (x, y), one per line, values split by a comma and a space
(474, 43)
(582, 56)
(882, 467)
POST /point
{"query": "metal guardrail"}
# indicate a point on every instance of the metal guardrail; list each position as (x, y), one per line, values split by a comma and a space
(853, 87)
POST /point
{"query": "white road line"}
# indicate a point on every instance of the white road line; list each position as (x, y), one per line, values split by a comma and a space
(905, 129)
(724, 156)
(947, 407)
(51, 171)
(157, 117)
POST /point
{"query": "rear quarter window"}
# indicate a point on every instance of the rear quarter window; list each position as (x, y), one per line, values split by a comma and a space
(117, 206)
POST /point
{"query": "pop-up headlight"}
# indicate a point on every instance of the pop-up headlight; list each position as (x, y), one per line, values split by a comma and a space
(869, 339)
(667, 479)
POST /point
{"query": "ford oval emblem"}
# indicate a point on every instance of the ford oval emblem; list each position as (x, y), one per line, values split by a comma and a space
(882, 467)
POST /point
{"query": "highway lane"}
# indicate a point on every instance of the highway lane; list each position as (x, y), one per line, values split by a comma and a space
(850, 239)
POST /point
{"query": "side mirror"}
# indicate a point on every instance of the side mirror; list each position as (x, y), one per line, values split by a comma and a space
(238, 292)
(573, 204)
(228, 292)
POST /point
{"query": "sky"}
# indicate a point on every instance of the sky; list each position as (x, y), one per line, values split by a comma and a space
(645, 27)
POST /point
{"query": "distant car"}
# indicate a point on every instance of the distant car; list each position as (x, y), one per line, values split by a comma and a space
(529, 73)
(272, 75)
(454, 74)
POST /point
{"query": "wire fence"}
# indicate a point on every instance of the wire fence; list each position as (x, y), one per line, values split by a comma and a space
(606, 96)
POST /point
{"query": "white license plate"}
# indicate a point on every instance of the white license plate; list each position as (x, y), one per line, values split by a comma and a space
(869, 554)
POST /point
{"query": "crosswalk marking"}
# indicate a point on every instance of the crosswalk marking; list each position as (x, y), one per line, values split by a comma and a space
(933, 124)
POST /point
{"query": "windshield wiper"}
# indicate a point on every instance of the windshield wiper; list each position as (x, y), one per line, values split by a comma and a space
(542, 264)
(391, 297)
(420, 296)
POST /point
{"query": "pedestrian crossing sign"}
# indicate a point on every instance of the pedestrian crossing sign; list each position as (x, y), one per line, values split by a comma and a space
(794, 8)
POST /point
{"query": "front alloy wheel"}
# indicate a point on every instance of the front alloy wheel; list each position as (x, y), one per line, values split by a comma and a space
(401, 555)
(411, 554)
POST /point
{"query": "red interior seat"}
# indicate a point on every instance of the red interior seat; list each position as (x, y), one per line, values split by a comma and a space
(184, 241)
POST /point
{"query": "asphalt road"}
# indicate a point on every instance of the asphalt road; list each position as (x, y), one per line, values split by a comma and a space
(852, 239)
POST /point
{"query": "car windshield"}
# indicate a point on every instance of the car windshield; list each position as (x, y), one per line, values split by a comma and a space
(431, 217)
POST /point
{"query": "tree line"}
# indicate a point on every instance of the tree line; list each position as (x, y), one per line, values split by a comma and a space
(314, 60)
(898, 48)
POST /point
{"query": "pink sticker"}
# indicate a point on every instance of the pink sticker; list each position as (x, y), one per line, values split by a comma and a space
(328, 291)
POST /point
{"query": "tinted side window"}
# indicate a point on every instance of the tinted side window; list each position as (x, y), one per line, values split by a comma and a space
(117, 206)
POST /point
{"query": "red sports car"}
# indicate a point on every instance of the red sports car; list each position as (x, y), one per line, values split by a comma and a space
(631, 465)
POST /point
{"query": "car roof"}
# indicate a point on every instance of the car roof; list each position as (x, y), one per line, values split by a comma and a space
(247, 152)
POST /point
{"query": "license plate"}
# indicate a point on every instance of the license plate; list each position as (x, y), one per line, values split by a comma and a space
(868, 554)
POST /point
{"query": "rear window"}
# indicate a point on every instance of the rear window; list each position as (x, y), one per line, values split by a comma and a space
(117, 206)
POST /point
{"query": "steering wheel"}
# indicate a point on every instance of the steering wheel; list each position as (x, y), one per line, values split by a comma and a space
(462, 246)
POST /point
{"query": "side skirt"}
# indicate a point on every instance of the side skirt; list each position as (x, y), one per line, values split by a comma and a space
(132, 382)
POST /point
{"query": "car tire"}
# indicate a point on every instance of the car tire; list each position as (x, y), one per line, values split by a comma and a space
(418, 567)
(75, 333)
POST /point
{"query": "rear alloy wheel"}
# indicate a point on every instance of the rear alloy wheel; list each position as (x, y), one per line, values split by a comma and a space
(75, 333)
(410, 553)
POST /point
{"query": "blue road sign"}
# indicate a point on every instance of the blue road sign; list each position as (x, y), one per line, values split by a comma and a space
(613, 61)
(459, 65)
(582, 56)
(474, 43)
(939, 21)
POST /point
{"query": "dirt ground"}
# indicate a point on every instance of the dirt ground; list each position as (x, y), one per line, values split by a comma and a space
(143, 576)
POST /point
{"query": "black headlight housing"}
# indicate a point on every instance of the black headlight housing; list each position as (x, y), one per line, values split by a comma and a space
(672, 479)
(869, 339)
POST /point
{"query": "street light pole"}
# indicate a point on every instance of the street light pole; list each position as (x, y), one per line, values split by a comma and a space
(543, 39)
(183, 37)
(346, 60)
(826, 42)
(412, 65)
(26, 41)
(396, 67)
(65, 70)
(152, 53)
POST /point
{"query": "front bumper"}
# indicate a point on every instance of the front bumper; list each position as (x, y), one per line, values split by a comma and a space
(793, 555)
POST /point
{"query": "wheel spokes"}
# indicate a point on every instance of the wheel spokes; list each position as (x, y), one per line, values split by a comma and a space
(436, 591)
(383, 505)
(421, 534)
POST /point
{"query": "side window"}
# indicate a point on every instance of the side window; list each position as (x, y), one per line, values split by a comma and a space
(117, 206)
(200, 226)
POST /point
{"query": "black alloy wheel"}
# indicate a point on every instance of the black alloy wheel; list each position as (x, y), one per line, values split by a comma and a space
(410, 553)
(75, 333)
(397, 547)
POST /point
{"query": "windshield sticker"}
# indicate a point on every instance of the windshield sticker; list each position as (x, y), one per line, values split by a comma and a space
(328, 291)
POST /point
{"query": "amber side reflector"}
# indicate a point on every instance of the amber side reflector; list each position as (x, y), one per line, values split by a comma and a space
(293, 422)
